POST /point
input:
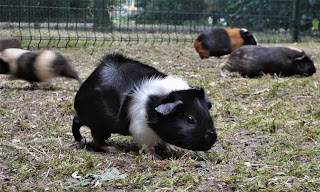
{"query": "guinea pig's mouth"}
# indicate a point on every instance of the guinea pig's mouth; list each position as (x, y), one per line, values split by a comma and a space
(306, 74)
(204, 147)
(197, 142)
(203, 144)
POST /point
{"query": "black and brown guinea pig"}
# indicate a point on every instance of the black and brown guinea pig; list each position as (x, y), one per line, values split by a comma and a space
(130, 98)
(222, 41)
(253, 61)
(35, 66)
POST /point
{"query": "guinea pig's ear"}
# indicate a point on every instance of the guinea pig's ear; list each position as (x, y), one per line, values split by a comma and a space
(2, 57)
(305, 56)
(168, 108)
(300, 58)
(199, 91)
(245, 33)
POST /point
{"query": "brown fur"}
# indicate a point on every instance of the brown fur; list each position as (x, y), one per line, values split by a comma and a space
(43, 66)
(235, 37)
(199, 48)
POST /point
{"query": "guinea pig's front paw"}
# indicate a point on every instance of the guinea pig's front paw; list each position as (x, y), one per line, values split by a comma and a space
(170, 148)
(12, 78)
(85, 140)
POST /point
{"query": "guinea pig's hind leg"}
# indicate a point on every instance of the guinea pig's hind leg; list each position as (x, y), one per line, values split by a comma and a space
(12, 78)
(46, 84)
(151, 153)
(100, 142)
(109, 149)
(33, 86)
(76, 125)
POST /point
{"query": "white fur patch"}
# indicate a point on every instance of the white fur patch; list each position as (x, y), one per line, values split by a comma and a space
(43, 65)
(255, 39)
(222, 74)
(295, 49)
(139, 128)
(244, 29)
(11, 56)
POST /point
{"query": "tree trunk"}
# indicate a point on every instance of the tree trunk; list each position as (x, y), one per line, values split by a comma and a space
(102, 21)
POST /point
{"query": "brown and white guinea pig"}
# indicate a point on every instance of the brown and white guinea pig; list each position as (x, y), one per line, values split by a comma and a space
(222, 41)
(35, 66)
(130, 98)
(253, 61)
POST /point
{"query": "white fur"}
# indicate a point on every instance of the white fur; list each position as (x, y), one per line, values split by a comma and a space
(295, 49)
(222, 74)
(43, 65)
(11, 56)
(139, 128)
(255, 39)
(244, 29)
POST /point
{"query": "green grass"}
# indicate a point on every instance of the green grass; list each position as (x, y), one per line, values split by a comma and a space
(268, 131)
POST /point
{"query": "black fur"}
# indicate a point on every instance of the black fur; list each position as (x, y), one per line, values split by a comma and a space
(216, 41)
(253, 61)
(103, 101)
(4, 67)
(26, 70)
(248, 38)
(62, 68)
(191, 136)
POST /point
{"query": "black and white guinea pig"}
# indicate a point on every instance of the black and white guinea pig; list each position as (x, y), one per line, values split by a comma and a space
(35, 66)
(222, 41)
(253, 61)
(130, 98)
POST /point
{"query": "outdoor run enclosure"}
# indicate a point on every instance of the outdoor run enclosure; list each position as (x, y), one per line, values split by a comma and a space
(70, 23)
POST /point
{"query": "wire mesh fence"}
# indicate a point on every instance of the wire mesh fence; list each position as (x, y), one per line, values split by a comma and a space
(76, 23)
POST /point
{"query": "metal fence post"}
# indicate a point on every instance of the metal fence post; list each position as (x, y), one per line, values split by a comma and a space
(260, 16)
(296, 21)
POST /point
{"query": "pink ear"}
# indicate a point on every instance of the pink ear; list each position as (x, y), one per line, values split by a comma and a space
(3, 58)
(300, 58)
(168, 108)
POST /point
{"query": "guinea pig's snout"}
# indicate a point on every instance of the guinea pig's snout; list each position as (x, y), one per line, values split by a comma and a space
(211, 135)
(312, 70)
(309, 73)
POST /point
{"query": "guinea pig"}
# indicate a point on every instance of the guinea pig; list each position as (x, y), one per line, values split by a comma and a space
(222, 41)
(35, 66)
(253, 61)
(130, 98)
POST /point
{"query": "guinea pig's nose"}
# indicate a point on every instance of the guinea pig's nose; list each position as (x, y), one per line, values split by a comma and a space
(211, 134)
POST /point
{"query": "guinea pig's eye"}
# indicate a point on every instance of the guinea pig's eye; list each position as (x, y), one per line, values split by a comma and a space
(190, 119)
